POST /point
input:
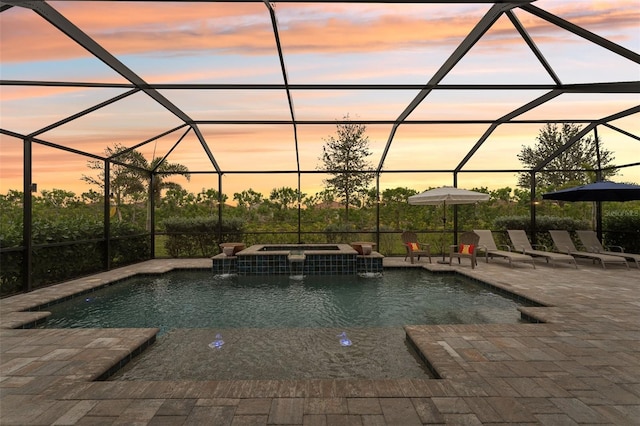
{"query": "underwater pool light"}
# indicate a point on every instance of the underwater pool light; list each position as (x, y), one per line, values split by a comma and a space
(344, 340)
(217, 344)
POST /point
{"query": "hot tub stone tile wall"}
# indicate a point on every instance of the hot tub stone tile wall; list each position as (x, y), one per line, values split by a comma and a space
(314, 264)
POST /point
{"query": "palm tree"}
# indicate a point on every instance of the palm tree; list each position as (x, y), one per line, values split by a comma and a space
(160, 169)
(130, 182)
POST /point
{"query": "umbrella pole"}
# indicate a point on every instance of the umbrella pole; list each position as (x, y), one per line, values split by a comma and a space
(444, 228)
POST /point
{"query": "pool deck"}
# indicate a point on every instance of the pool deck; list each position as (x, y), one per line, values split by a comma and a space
(580, 366)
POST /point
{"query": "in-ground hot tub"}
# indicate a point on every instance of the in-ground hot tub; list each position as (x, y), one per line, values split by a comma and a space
(299, 247)
(298, 259)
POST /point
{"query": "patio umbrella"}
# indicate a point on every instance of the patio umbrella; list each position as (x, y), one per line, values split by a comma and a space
(598, 191)
(446, 195)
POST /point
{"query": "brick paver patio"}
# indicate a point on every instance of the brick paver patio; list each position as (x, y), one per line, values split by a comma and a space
(580, 365)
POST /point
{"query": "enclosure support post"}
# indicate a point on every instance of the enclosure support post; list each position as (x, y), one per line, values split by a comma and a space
(27, 216)
(598, 178)
(299, 210)
(378, 210)
(534, 228)
(219, 236)
(107, 215)
(455, 213)
(152, 216)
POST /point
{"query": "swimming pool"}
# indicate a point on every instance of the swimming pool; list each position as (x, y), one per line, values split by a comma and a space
(277, 328)
(198, 299)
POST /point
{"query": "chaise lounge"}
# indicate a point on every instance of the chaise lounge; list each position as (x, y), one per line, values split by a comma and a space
(521, 244)
(488, 245)
(564, 244)
(590, 241)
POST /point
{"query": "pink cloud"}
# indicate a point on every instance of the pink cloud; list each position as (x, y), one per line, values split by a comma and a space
(11, 93)
(163, 28)
(173, 29)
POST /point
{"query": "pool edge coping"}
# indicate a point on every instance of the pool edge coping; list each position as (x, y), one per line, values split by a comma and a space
(93, 284)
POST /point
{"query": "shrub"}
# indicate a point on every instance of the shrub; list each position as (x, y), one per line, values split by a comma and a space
(65, 248)
(622, 229)
(339, 233)
(197, 237)
(129, 244)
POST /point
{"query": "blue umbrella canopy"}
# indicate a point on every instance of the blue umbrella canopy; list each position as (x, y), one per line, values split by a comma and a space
(597, 191)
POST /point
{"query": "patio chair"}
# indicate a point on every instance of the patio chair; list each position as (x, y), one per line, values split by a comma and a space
(465, 249)
(590, 241)
(488, 245)
(521, 244)
(564, 244)
(414, 248)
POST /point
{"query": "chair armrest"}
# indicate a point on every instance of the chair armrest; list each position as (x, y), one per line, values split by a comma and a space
(619, 248)
(481, 248)
(539, 247)
(508, 247)
(486, 252)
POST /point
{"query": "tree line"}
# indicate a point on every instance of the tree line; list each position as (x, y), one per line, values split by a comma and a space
(344, 159)
(67, 227)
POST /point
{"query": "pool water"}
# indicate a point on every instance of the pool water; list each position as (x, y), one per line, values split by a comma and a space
(198, 299)
(277, 354)
(277, 328)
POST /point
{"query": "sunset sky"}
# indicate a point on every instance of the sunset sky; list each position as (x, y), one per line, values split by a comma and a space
(323, 43)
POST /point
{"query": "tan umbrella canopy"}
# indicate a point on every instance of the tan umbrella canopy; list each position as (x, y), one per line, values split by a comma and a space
(446, 195)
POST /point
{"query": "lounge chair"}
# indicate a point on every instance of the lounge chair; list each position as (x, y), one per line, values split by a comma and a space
(466, 248)
(488, 245)
(521, 244)
(564, 244)
(590, 241)
(414, 248)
